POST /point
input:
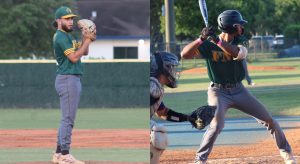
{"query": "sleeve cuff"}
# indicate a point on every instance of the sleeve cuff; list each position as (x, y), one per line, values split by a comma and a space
(69, 51)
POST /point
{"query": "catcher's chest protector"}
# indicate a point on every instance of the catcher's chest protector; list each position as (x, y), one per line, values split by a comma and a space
(156, 95)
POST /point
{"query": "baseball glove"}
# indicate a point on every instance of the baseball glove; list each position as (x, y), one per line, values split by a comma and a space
(88, 28)
(202, 116)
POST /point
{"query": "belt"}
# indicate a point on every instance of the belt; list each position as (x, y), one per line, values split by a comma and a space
(226, 86)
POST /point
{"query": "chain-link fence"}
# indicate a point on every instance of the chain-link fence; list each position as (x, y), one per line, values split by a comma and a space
(270, 46)
(259, 47)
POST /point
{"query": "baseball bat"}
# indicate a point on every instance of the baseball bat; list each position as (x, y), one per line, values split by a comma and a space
(203, 9)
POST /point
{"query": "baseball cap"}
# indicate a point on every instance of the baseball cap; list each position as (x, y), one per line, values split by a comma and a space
(62, 12)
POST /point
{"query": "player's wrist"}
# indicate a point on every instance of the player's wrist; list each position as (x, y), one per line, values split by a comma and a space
(200, 40)
(219, 43)
(87, 39)
(174, 116)
(189, 118)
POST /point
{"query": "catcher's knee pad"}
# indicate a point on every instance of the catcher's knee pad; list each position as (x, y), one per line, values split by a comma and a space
(155, 154)
(158, 137)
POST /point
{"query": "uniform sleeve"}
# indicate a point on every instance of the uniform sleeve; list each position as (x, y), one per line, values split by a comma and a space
(66, 45)
(161, 106)
(202, 49)
(78, 44)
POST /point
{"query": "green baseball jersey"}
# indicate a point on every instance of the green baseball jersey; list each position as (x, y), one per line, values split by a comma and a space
(64, 44)
(221, 67)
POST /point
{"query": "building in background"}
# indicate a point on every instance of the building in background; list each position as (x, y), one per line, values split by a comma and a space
(123, 28)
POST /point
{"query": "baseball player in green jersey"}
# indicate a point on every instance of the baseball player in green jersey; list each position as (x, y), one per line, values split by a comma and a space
(68, 52)
(224, 55)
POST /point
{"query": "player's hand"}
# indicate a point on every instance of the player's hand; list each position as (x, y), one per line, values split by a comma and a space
(88, 29)
(86, 40)
(89, 37)
(206, 32)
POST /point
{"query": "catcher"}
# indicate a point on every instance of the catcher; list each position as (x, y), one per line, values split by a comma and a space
(68, 52)
(163, 72)
(224, 55)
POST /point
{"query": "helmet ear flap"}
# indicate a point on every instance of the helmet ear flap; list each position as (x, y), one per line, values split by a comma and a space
(222, 27)
(234, 28)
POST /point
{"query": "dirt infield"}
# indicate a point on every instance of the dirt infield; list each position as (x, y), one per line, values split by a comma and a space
(106, 138)
(86, 162)
(263, 152)
(256, 68)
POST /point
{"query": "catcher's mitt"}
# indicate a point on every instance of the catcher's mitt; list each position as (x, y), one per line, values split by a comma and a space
(88, 28)
(202, 116)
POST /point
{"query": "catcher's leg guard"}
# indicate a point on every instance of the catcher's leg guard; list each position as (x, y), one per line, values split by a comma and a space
(155, 154)
(158, 143)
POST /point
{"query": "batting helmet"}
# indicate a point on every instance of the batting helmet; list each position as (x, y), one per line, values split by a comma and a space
(228, 19)
(164, 63)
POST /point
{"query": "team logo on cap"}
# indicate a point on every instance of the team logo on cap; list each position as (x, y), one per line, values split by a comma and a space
(68, 10)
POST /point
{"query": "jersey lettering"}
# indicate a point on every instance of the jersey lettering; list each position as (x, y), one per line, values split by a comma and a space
(221, 56)
(74, 43)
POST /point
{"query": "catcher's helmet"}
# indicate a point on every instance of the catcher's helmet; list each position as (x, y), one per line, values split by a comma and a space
(164, 63)
(228, 19)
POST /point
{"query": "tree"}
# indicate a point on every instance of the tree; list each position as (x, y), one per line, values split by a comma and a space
(155, 24)
(263, 16)
(292, 31)
(287, 12)
(189, 20)
(26, 27)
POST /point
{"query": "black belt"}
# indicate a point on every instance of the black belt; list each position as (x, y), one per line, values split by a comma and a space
(226, 86)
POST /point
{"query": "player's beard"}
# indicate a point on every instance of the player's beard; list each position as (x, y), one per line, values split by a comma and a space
(243, 31)
(65, 28)
(238, 34)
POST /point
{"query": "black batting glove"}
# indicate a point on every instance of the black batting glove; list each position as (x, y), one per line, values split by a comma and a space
(206, 32)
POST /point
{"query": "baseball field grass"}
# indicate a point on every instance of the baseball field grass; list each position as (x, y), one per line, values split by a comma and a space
(277, 86)
(94, 120)
(39, 155)
(86, 118)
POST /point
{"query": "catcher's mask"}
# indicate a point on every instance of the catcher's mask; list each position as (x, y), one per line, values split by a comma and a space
(228, 19)
(164, 63)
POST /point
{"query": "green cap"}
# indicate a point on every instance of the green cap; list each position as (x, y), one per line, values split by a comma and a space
(64, 12)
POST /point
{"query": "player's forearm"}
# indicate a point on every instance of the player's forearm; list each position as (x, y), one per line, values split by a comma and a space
(233, 50)
(189, 51)
(84, 48)
(174, 116)
(86, 51)
(74, 57)
(171, 115)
